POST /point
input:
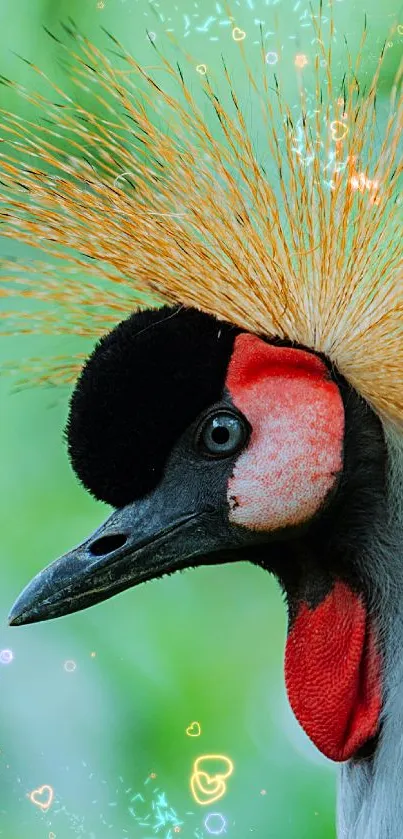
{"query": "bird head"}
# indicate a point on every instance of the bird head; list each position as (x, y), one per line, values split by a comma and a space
(214, 445)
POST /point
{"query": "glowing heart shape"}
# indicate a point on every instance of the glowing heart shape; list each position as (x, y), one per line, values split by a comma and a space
(212, 787)
(238, 34)
(339, 130)
(42, 797)
(193, 730)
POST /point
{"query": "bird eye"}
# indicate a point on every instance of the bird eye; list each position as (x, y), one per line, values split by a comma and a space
(222, 434)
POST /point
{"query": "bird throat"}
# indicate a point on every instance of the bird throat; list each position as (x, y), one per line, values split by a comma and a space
(333, 672)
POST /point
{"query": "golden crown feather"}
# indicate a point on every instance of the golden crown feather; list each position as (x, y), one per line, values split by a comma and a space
(128, 212)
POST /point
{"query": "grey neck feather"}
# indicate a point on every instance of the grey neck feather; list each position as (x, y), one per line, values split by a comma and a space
(370, 791)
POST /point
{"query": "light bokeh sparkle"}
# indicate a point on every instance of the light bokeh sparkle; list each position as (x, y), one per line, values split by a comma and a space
(6, 656)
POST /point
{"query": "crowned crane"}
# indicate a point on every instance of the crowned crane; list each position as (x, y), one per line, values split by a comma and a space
(254, 413)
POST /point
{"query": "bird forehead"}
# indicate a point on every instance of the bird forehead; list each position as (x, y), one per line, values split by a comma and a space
(169, 357)
(143, 385)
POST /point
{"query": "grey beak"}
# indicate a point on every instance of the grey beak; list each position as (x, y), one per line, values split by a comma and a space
(137, 543)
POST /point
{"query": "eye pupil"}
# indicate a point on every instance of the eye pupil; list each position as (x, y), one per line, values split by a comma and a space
(220, 434)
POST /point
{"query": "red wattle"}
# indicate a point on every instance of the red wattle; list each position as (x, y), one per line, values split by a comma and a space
(333, 673)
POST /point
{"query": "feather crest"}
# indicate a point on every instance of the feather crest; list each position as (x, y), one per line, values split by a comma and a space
(139, 198)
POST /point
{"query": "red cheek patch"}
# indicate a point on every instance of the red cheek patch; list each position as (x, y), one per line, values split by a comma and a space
(295, 451)
(333, 673)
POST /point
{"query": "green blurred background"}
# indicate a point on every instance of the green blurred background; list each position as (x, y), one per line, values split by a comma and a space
(96, 705)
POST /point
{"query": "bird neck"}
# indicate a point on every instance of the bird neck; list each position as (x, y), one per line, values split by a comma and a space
(370, 800)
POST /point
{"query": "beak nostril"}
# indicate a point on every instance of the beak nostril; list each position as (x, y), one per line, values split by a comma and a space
(107, 544)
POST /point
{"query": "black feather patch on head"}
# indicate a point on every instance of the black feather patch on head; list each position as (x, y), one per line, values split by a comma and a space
(144, 384)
